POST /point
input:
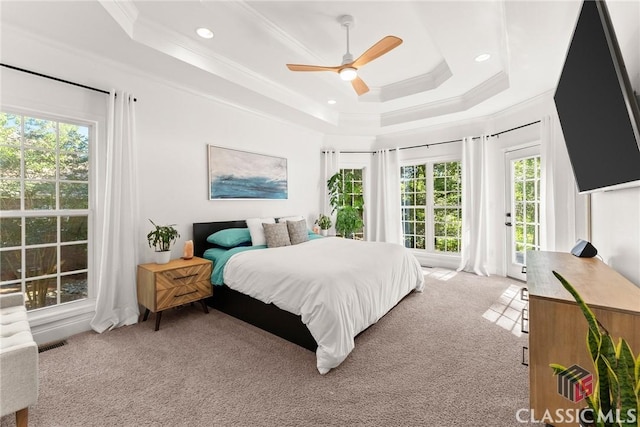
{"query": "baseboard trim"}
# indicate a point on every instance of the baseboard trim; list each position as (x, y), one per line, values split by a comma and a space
(59, 325)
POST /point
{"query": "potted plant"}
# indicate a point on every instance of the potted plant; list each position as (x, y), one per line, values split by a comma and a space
(325, 223)
(161, 238)
(615, 400)
(348, 219)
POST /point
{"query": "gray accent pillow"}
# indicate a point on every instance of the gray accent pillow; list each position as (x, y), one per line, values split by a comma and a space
(298, 231)
(276, 234)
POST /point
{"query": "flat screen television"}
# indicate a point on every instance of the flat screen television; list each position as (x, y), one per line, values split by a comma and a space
(597, 107)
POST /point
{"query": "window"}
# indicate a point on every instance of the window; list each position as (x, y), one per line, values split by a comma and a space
(44, 209)
(431, 206)
(353, 194)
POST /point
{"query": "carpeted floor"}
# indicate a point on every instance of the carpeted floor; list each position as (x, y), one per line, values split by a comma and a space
(444, 357)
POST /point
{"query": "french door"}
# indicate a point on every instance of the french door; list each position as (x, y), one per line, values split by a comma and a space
(522, 219)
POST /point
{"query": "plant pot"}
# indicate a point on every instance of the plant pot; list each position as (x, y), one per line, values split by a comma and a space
(324, 232)
(163, 257)
(586, 418)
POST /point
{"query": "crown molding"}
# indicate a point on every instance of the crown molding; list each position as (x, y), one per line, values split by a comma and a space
(187, 50)
(411, 86)
(273, 29)
(490, 87)
(124, 12)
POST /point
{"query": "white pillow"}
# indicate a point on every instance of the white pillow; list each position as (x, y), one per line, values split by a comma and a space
(256, 230)
(291, 218)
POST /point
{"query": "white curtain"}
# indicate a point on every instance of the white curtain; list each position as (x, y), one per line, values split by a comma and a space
(473, 254)
(384, 209)
(557, 189)
(330, 165)
(547, 194)
(117, 303)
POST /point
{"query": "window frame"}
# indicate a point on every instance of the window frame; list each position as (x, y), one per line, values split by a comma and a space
(430, 203)
(84, 306)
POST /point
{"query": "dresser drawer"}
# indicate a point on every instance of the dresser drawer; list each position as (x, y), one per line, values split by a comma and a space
(182, 294)
(182, 276)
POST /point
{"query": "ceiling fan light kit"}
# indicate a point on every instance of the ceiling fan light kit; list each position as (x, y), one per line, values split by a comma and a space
(348, 70)
(348, 73)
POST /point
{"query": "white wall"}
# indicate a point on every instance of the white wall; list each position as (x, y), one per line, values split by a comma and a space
(174, 129)
(615, 215)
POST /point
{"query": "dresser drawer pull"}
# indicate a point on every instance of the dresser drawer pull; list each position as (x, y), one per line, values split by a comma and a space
(525, 362)
(185, 277)
(524, 294)
(186, 293)
(525, 318)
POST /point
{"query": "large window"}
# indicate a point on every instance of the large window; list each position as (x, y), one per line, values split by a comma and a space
(431, 206)
(44, 209)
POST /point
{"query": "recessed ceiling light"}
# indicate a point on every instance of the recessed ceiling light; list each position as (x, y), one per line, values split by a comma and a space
(205, 33)
(331, 101)
(482, 57)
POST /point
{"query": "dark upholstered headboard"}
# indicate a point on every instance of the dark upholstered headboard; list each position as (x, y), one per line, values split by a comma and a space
(202, 230)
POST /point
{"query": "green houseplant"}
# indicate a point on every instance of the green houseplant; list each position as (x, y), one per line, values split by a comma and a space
(348, 219)
(324, 222)
(161, 238)
(615, 400)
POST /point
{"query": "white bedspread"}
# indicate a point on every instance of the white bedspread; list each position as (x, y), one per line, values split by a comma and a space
(338, 286)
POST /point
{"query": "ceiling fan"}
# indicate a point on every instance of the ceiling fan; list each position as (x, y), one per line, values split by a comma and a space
(348, 70)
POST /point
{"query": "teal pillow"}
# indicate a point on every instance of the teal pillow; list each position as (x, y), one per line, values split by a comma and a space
(230, 237)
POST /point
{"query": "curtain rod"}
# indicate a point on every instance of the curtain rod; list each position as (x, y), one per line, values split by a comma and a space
(438, 143)
(57, 79)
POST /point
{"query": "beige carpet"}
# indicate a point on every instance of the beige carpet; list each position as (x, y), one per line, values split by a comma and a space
(437, 359)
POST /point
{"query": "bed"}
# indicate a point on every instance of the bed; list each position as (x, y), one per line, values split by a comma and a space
(306, 293)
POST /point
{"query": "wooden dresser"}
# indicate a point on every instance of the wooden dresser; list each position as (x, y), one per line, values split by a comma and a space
(557, 327)
(163, 286)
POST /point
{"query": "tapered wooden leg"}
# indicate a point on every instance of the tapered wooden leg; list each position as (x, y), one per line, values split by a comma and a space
(22, 417)
(146, 315)
(158, 317)
(204, 306)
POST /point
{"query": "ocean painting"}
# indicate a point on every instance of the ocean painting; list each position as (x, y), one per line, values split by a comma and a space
(235, 174)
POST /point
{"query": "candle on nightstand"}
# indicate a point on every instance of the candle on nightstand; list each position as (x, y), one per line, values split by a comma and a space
(187, 253)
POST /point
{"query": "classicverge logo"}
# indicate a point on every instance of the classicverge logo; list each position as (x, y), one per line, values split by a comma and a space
(575, 383)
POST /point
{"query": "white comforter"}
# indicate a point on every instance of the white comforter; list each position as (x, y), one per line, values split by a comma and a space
(338, 286)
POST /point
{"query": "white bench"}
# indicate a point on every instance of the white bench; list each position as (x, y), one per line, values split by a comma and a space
(18, 360)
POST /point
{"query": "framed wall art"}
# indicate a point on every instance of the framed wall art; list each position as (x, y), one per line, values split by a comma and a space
(236, 174)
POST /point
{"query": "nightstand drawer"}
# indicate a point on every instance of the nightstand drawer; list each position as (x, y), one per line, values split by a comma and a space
(177, 295)
(182, 276)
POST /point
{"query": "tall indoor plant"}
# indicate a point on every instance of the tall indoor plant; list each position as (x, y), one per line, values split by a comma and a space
(615, 400)
(161, 238)
(348, 219)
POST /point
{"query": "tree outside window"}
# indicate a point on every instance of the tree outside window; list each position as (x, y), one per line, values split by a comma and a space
(354, 194)
(432, 206)
(44, 209)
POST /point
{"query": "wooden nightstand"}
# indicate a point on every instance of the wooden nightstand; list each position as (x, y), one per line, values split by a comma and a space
(181, 281)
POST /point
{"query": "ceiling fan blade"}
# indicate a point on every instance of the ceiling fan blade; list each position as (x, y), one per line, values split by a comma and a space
(360, 86)
(299, 67)
(377, 50)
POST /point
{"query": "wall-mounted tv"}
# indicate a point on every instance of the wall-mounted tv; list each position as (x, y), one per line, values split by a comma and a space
(597, 108)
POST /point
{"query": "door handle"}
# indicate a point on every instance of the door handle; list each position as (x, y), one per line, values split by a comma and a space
(508, 219)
